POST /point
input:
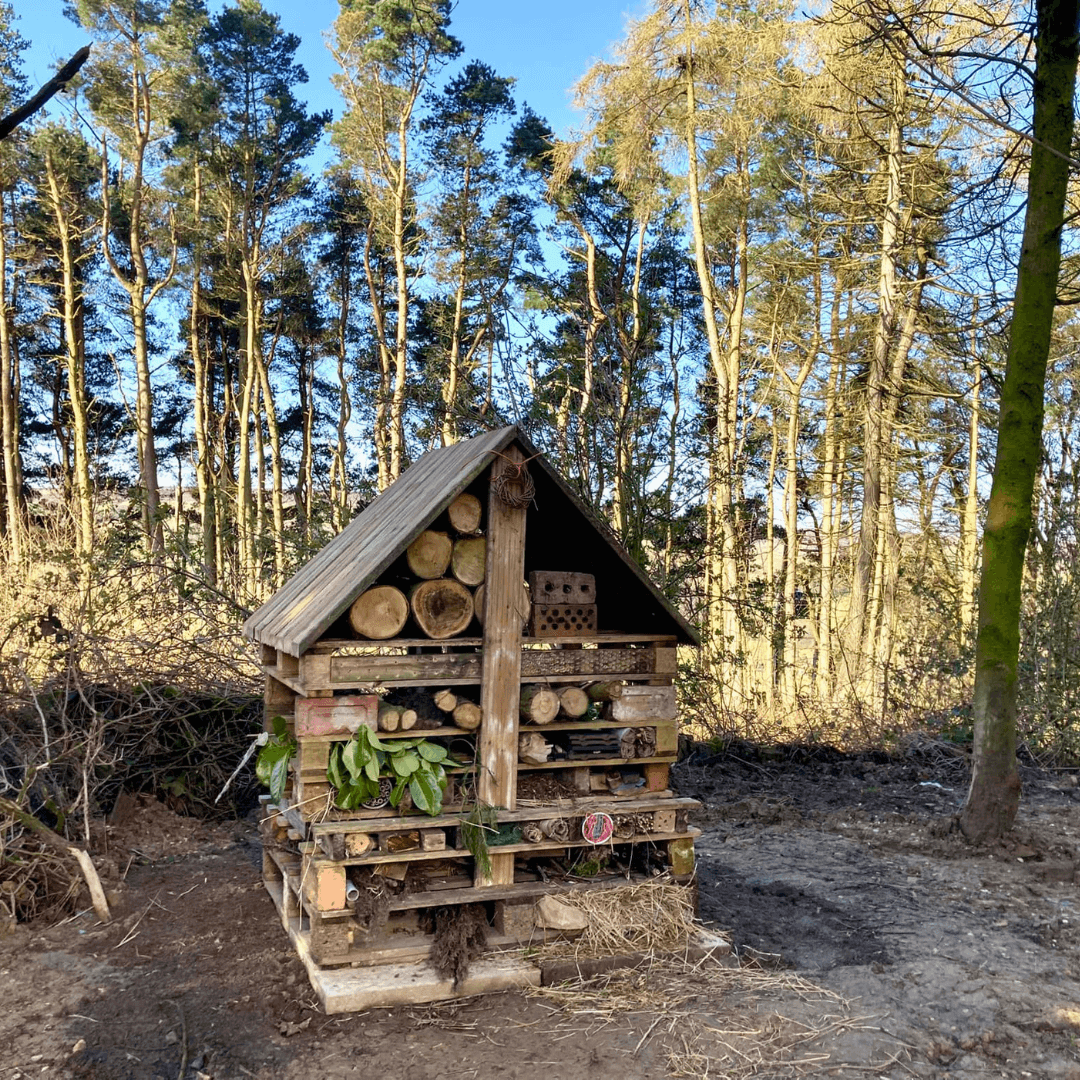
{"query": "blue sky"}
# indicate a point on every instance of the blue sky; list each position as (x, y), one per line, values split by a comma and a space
(546, 46)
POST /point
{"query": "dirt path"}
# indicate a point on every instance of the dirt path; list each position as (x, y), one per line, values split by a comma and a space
(877, 945)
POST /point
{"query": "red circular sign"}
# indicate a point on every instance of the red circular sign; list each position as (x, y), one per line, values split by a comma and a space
(597, 828)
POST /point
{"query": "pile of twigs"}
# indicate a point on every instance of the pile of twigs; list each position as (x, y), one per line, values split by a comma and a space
(129, 688)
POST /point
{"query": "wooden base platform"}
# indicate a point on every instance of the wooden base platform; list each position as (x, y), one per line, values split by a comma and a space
(351, 989)
(415, 982)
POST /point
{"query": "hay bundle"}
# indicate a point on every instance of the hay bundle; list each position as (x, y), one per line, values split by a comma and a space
(652, 916)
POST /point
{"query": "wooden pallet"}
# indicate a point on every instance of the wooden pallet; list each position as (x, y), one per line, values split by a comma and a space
(342, 990)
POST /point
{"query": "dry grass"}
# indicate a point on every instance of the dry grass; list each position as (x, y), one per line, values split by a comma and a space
(711, 1020)
(651, 917)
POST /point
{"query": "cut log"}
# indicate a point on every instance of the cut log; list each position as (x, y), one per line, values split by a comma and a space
(408, 719)
(441, 607)
(358, 843)
(573, 701)
(467, 715)
(467, 563)
(605, 691)
(429, 554)
(465, 513)
(379, 613)
(538, 704)
(523, 605)
(389, 717)
(445, 700)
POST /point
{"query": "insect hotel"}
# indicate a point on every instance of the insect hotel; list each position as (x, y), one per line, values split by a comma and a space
(471, 691)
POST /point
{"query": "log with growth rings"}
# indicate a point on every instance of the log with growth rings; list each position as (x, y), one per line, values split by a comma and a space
(379, 613)
(429, 554)
(441, 607)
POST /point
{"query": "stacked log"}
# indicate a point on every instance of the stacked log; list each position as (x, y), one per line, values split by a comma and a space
(395, 718)
(379, 613)
(441, 607)
(464, 513)
(573, 702)
(429, 554)
(538, 705)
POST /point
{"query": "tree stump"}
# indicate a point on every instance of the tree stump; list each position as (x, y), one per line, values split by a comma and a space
(379, 613)
(465, 513)
(468, 561)
(442, 607)
(429, 554)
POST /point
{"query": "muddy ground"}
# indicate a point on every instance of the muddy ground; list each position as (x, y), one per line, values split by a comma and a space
(873, 942)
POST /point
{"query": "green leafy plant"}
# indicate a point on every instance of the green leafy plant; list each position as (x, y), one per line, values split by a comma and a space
(357, 767)
(272, 764)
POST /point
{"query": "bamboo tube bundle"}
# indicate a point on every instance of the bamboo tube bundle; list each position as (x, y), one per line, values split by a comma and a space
(379, 613)
(441, 607)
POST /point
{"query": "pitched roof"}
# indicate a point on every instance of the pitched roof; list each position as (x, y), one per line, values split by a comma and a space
(309, 603)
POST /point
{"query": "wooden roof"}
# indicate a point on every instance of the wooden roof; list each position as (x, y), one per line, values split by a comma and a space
(309, 603)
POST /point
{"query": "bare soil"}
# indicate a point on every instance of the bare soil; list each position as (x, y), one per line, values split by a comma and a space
(873, 940)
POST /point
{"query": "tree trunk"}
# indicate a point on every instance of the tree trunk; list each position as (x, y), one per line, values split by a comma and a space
(994, 795)
(9, 413)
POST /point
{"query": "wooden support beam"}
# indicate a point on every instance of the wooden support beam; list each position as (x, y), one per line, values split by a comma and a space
(500, 685)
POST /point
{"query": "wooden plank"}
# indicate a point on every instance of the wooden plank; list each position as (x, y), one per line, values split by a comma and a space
(334, 644)
(428, 668)
(579, 807)
(505, 851)
(500, 685)
(573, 763)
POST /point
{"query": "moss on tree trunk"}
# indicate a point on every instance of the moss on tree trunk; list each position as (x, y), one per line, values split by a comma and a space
(994, 794)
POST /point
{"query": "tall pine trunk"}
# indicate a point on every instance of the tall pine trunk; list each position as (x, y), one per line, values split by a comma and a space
(994, 795)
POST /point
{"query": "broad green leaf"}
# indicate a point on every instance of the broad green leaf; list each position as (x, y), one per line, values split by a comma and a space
(334, 771)
(432, 751)
(374, 741)
(399, 791)
(279, 774)
(371, 768)
(272, 767)
(426, 794)
(405, 764)
(353, 759)
(281, 728)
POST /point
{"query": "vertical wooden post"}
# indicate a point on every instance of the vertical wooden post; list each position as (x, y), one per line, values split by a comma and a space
(500, 686)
